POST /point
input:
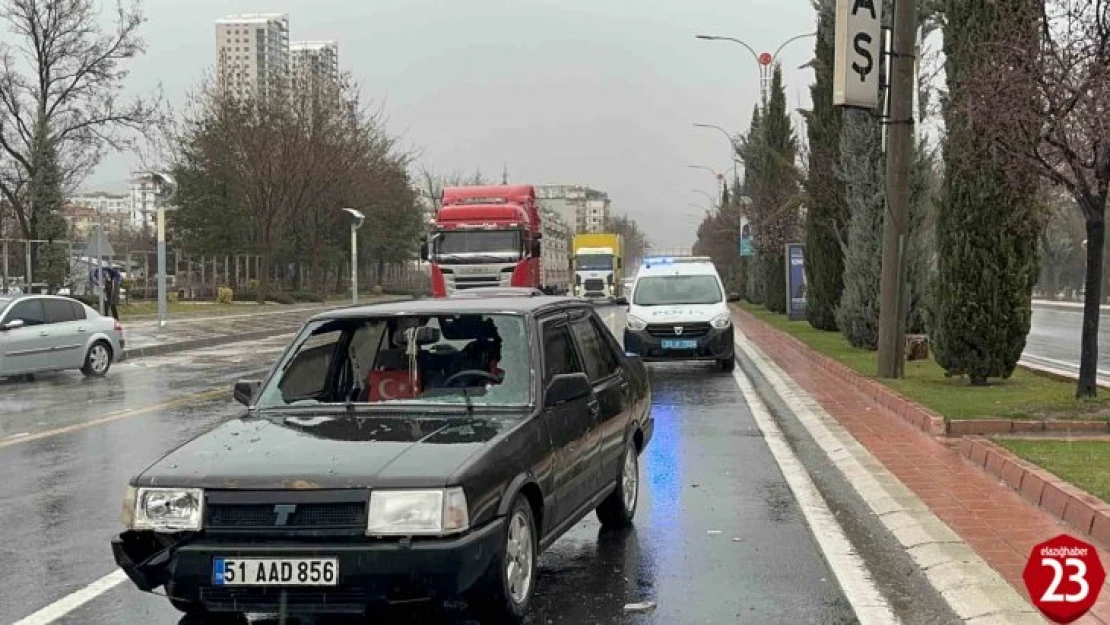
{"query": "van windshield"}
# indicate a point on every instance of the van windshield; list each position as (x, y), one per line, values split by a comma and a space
(671, 290)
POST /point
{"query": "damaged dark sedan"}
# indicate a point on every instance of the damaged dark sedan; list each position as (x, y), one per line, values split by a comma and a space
(398, 452)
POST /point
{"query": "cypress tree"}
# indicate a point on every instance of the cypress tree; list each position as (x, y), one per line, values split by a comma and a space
(987, 222)
(750, 154)
(826, 214)
(778, 193)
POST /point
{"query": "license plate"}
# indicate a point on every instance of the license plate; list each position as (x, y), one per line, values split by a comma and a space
(275, 571)
(679, 344)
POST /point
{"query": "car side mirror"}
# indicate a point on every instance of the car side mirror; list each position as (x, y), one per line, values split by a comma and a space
(566, 387)
(733, 297)
(245, 391)
(622, 301)
(12, 325)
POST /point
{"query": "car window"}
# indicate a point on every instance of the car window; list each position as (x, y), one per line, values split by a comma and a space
(558, 351)
(601, 362)
(307, 374)
(29, 310)
(57, 310)
(79, 313)
(677, 290)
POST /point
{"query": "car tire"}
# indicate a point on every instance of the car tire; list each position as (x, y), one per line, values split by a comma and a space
(619, 507)
(496, 598)
(97, 360)
(727, 364)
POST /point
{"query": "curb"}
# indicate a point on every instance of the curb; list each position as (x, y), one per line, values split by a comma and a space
(918, 416)
(201, 343)
(1088, 514)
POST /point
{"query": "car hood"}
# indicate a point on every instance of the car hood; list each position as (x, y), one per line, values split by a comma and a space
(681, 313)
(326, 451)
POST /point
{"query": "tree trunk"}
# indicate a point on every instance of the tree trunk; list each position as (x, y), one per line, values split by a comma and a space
(1088, 350)
(263, 278)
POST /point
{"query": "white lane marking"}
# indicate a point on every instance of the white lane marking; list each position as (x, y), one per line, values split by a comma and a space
(74, 600)
(855, 580)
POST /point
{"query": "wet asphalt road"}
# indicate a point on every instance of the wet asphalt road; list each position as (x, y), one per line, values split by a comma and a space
(1053, 339)
(719, 537)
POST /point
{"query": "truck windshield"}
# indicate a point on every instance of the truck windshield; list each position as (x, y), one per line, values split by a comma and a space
(671, 290)
(594, 262)
(499, 243)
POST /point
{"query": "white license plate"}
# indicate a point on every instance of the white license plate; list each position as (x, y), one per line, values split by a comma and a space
(275, 571)
(679, 344)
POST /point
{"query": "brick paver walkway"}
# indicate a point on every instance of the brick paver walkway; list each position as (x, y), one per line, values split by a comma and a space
(991, 518)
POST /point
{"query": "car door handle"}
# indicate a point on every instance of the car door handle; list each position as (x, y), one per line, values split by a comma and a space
(594, 406)
(44, 333)
(82, 329)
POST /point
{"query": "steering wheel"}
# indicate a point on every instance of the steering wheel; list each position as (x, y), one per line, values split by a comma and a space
(475, 373)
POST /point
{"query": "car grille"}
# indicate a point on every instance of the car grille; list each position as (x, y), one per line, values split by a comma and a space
(595, 284)
(689, 330)
(313, 515)
(293, 599)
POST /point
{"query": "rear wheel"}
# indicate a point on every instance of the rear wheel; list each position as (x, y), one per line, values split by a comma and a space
(98, 360)
(504, 592)
(619, 507)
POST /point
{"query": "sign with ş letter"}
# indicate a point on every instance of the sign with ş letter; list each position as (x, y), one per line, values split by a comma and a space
(857, 58)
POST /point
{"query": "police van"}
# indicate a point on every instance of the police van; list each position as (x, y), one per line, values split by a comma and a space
(678, 310)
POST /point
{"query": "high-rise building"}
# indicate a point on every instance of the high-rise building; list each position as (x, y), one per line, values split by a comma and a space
(102, 202)
(314, 61)
(252, 53)
(585, 209)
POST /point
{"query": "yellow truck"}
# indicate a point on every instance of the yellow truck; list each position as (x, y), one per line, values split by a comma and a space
(599, 266)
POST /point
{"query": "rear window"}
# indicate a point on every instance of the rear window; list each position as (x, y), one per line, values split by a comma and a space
(59, 310)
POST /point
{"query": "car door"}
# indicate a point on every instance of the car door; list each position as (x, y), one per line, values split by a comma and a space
(25, 349)
(569, 424)
(610, 390)
(67, 333)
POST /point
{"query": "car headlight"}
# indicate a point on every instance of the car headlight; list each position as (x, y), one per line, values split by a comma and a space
(163, 509)
(417, 512)
(721, 321)
(636, 324)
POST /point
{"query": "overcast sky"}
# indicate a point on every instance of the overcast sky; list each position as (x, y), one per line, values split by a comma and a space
(596, 92)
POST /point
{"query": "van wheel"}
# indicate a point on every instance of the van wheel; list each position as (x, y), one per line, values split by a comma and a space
(98, 360)
(727, 365)
(504, 592)
(619, 507)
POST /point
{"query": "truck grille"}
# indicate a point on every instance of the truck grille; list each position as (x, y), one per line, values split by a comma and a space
(594, 284)
(689, 330)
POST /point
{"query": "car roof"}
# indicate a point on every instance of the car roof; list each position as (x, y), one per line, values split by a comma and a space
(684, 267)
(457, 306)
(499, 291)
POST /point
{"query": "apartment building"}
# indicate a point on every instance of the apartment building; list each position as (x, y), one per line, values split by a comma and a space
(584, 209)
(252, 53)
(313, 62)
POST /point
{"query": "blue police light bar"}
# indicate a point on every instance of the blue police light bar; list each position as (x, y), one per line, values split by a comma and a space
(668, 260)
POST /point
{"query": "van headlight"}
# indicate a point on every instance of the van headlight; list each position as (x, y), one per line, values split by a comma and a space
(721, 321)
(163, 509)
(636, 324)
(431, 512)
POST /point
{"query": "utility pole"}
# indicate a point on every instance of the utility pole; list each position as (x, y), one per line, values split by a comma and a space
(892, 304)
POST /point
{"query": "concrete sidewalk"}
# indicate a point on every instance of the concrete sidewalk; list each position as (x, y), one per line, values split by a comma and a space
(146, 338)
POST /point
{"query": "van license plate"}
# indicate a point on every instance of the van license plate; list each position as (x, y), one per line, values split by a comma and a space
(679, 344)
(275, 571)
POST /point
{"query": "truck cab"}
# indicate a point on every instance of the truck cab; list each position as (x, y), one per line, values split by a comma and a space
(598, 267)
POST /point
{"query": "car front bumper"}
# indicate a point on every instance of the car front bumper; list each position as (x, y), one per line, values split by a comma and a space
(715, 345)
(370, 571)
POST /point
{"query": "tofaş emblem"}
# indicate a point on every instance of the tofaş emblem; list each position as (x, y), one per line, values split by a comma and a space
(1064, 576)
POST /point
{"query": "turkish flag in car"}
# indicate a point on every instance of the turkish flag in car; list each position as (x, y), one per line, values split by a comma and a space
(391, 385)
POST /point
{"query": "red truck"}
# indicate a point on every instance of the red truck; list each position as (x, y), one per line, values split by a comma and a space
(496, 236)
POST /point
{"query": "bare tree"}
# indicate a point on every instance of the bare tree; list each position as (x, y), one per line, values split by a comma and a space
(61, 79)
(1058, 101)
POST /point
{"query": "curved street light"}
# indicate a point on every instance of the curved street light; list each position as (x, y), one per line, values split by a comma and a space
(764, 61)
(712, 200)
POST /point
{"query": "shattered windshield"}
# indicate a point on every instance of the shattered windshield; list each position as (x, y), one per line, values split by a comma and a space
(447, 359)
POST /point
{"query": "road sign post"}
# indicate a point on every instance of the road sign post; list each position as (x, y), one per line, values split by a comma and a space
(1064, 576)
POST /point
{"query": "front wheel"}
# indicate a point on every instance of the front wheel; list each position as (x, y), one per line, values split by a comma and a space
(504, 592)
(727, 364)
(98, 360)
(619, 507)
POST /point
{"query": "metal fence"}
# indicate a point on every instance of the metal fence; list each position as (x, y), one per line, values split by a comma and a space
(198, 277)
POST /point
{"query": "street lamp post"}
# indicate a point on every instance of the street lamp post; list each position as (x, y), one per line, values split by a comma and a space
(100, 257)
(356, 222)
(165, 189)
(765, 61)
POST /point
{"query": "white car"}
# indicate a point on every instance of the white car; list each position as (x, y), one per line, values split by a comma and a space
(40, 333)
(678, 310)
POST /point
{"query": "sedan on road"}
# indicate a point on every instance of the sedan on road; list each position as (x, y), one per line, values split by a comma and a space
(398, 452)
(40, 333)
